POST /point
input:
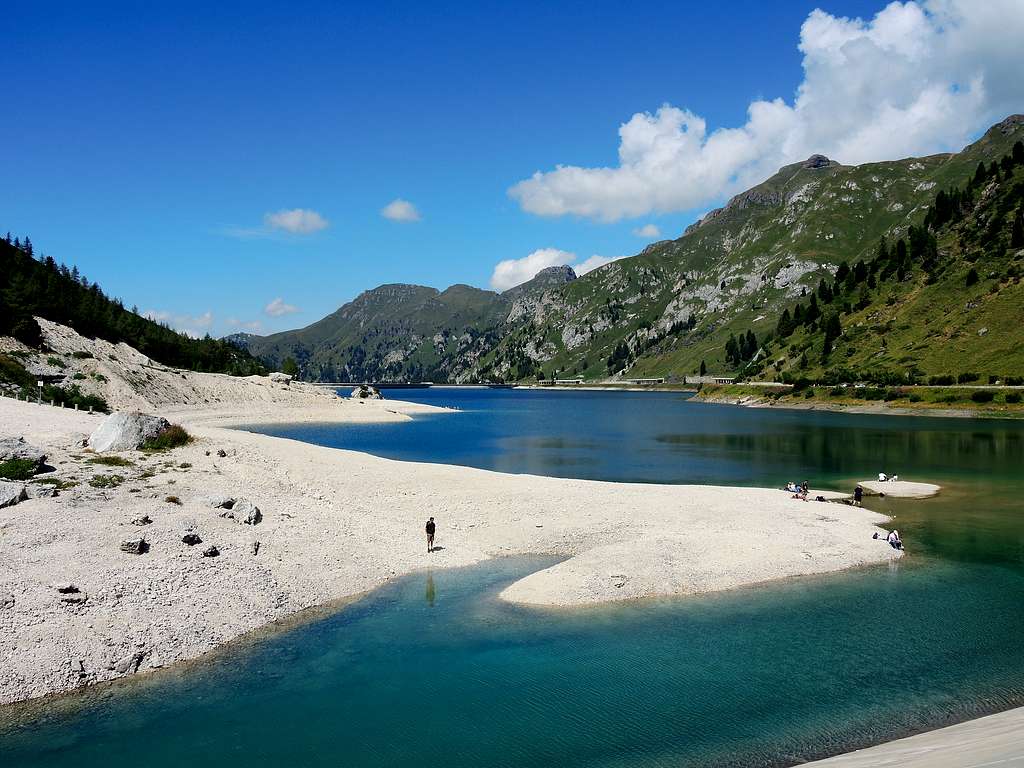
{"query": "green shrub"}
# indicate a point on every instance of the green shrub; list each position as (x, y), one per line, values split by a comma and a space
(99, 377)
(972, 277)
(836, 392)
(983, 396)
(80, 355)
(172, 436)
(916, 398)
(172, 500)
(78, 376)
(1013, 397)
(893, 394)
(56, 362)
(18, 469)
(809, 394)
(105, 481)
(938, 381)
(966, 378)
(111, 461)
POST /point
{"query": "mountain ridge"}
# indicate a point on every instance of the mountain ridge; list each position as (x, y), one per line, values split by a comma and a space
(660, 312)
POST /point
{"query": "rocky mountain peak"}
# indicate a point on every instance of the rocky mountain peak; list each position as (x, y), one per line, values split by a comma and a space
(816, 161)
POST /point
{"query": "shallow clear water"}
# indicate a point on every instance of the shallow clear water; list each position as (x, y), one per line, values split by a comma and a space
(433, 670)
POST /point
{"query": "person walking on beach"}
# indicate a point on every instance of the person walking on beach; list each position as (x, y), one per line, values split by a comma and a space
(858, 494)
(430, 528)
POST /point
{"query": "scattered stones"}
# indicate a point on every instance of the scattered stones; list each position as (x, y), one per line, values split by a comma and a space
(6, 600)
(222, 453)
(134, 546)
(243, 511)
(982, 331)
(127, 664)
(191, 538)
(12, 448)
(211, 551)
(71, 594)
(144, 520)
(256, 547)
(11, 494)
(222, 502)
(37, 491)
(78, 667)
(280, 378)
(126, 431)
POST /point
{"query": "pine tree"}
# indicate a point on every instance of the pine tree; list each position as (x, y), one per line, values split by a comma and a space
(1017, 232)
(1018, 152)
(703, 369)
(980, 174)
(732, 351)
(785, 325)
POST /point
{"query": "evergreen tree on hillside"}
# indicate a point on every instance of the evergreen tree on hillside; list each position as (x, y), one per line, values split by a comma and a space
(1017, 231)
(41, 288)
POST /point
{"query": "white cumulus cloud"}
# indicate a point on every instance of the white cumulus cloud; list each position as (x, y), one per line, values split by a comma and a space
(592, 263)
(278, 307)
(191, 325)
(917, 78)
(647, 230)
(512, 272)
(297, 221)
(400, 210)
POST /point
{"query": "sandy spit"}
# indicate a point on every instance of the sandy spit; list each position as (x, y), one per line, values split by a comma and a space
(987, 741)
(337, 523)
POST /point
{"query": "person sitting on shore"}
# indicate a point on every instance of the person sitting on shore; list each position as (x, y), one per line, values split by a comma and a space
(894, 478)
(802, 491)
(882, 477)
(791, 487)
(894, 539)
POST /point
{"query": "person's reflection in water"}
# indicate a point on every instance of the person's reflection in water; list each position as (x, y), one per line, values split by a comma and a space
(431, 592)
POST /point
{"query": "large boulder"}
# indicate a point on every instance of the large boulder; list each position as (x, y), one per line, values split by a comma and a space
(11, 494)
(366, 392)
(280, 378)
(126, 431)
(242, 511)
(16, 448)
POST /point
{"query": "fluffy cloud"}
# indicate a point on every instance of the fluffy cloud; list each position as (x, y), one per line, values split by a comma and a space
(191, 325)
(297, 221)
(918, 78)
(278, 307)
(595, 261)
(400, 210)
(512, 272)
(648, 231)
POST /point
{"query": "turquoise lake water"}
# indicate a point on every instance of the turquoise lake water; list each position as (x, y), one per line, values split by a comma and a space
(433, 670)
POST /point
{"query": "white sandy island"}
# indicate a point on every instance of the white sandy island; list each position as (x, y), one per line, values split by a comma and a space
(335, 524)
(900, 489)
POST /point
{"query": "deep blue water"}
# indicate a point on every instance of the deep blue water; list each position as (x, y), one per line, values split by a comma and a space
(433, 670)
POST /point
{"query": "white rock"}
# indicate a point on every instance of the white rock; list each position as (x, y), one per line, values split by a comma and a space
(126, 431)
(11, 494)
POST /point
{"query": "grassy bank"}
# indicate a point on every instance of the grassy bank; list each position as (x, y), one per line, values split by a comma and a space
(993, 402)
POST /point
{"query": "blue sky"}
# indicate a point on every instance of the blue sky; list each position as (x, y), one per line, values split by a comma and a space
(148, 145)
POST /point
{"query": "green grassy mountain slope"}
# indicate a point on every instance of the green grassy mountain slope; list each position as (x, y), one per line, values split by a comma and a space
(405, 332)
(945, 305)
(665, 310)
